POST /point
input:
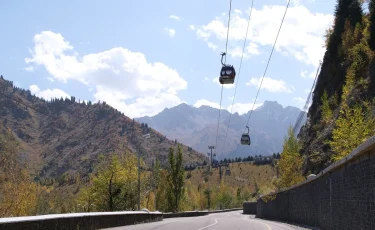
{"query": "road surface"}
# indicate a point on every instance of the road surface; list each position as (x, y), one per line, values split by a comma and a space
(216, 221)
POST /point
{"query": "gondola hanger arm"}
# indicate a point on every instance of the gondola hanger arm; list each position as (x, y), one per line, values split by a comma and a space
(222, 56)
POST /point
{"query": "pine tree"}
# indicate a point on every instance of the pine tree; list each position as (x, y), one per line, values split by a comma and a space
(372, 24)
(345, 9)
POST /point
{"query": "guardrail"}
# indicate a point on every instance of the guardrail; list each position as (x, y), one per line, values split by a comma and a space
(81, 221)
(197, 213)
(93, 220)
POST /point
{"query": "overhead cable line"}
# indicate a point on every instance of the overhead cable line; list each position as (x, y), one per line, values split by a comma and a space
(269, 59)
(222, 86)
(239, 72)
(302, 113)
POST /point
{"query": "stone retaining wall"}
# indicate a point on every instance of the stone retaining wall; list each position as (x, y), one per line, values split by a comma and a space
(341, 197)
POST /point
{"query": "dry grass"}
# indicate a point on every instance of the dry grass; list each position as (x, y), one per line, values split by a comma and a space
(243, 174)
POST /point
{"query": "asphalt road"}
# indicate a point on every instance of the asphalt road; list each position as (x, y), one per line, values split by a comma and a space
(219, 221)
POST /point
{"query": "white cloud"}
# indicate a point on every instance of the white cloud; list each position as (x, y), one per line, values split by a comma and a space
(29, 69)
(171, 32)
(226, 86)
(240, 108)
(175, 17)
(212, 46)
(299, 100)
(243, 108)
(251, 49)
(191, 27)
(306, 74)
(201, 102)
(118, 75)
(271, 85)
(48, 94)
(301, 36)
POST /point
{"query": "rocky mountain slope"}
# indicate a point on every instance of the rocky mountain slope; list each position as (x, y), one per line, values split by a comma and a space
(343, 101)
(67, 136)
(197, 127)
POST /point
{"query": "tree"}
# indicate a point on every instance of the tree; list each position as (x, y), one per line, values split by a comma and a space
(239, 195)
(290, 164)
(345, 9)
(175, 179)
(224, 196)
(326, 110)
(207, 194)
(372, 25)
(18, 194)
(156, 179)
(114, 187)
(353, 126)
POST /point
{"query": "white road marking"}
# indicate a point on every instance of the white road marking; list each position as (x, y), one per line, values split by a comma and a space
(269, 227)
(209, 225)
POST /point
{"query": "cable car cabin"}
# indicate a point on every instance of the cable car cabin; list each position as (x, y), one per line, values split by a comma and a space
(227, 172)
(245, 139)
(227, 74)
(215, 164)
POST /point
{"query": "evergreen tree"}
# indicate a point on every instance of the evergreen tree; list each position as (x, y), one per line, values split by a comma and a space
(372, 24)
(345, 9)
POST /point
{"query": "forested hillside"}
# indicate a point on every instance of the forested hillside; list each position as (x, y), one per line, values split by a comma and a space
(65, 136)
(342, 112)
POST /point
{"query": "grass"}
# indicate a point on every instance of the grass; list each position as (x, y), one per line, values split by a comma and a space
(243, 174)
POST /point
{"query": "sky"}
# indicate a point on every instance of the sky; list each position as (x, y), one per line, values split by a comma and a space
(144, 56)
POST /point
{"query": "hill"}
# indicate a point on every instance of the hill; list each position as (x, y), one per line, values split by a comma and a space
(196, 127)
(342, 112)
(63, 135)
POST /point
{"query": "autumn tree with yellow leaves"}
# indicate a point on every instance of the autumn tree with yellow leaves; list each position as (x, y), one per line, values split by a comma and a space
(290, 164)
(18, 194)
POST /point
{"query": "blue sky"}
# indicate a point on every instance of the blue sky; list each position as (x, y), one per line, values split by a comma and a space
(142, 56)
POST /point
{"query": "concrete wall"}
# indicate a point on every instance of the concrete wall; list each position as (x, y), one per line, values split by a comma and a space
(250, 208)
(77, 221)
(341, 197)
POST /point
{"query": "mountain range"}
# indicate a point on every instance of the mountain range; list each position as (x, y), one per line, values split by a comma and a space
(197, 127)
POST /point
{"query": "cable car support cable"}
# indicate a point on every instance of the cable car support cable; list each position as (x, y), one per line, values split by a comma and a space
(239, 72)
(302, 113)
(222, 86)
(269, 59)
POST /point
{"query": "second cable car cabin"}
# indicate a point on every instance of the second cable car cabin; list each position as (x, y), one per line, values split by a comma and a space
(227, 73)
(245, 138)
